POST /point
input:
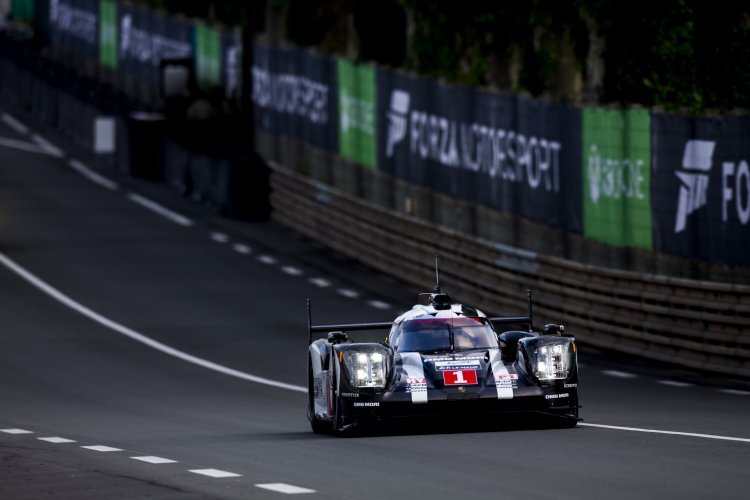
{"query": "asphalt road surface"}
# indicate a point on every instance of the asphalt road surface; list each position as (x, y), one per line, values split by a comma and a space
(152, 353)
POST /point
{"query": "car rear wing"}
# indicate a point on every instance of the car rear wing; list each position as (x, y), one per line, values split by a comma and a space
(345, 327)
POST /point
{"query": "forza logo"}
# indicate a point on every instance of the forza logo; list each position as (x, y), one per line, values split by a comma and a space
(697, 160)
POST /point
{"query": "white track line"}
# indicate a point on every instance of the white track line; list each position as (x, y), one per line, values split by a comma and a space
(101, 448)
(291, 270)
(22, 145)
(220, 237)
(618, 374)
(377, 304)
(16, 431)
(158, 209)
(47, 146)
(735, 392)
(267, 259)
(138, 337)
(92, 176)
(349, 294)
(320, 282)
(214, 473)
(10, 121)
(155, 460)
(671, 433)
(243, 249)
(288, 489)
(674, 383)
(56, 440)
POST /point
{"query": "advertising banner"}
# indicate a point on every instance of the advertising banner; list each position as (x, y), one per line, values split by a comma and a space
(22, 10)
(108, 33)
(74, 27)
(207, 56)
(231, 64)
(294, 94)
(147, 37)
(617, 177)
(357, 113)
(701, 187)
(507, 152)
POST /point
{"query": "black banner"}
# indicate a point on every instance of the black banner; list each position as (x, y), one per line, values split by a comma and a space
(295, 94)
(506, 152)
(700, 187)
(146, 37)
(74, 27)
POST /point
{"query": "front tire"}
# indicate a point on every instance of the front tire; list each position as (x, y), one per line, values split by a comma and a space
(317, 426)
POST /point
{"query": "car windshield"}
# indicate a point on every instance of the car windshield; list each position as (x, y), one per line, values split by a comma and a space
(442, 334)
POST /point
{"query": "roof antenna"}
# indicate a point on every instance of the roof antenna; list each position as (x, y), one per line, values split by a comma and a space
(438, 288)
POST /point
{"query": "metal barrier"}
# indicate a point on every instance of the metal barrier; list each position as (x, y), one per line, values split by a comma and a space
(695, 324)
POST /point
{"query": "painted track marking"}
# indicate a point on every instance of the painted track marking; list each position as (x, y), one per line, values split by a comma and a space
(101, 448)
(735, 392)
(138, 337)
(220, 237)
(11, 121)
(377, 304)
(155, 460)
(214, 473)
(671, 433)
(291, 270)
(320, 282)
(618, 374)
(22, 146)
(267, 259)
(56, 440)
(16, 431)
(349, 294)
(47, 146)
(243, 249)
(159, 209)
(674, 383)
(92, 176)
(288, 489)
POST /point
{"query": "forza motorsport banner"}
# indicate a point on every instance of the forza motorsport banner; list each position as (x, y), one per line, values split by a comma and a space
(617, 176)
(108, 33)
(74, 27)
(357, 113)
(147, 37)
(207, 55)
(295, 94)
(507, 152)
(701, 187)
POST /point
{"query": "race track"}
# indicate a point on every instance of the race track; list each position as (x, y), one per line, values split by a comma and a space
(135, 320)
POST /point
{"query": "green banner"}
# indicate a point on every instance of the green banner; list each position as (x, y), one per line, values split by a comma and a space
(108, 33)
(357, 113)
(617, 177)
(22, 10)
(207, 56)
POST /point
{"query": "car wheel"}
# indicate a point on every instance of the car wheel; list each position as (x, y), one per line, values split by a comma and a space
(316, 425)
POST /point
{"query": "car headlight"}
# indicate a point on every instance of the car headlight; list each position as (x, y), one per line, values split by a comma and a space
(366, 369)
(551, 362)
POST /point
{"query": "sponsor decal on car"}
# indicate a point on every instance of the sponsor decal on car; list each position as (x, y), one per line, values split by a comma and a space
(366, 403)
(460, 377)
(556, 396)
(570, 386)
(506, 381)
(349, 394)
(458, 364)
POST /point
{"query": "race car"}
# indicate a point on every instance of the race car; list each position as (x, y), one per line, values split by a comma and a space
(440, 359)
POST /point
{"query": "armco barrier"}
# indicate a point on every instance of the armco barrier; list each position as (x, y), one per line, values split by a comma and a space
(690, 323)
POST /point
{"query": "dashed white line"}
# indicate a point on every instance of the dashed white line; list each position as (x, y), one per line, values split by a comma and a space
(288, 489)
(138, 337)
(158, 209)
(22, 146)
(377, 304)
(92, 176)
(618, 374)
(14, 124)
(47, 146)
(267, 259)
(243, 249)
(155, 460)
(56, 440)
(736, 392)
(674, 383)
(673, 433)
(101, 448)
(291, 270)
(349, 294)
(320, 282)
(214, 473)
(16, 431)
(220, 237)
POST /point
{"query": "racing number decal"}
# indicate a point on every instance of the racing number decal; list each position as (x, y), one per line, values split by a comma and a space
(460, 377)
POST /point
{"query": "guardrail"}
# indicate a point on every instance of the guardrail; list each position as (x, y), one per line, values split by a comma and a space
(696, 324)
